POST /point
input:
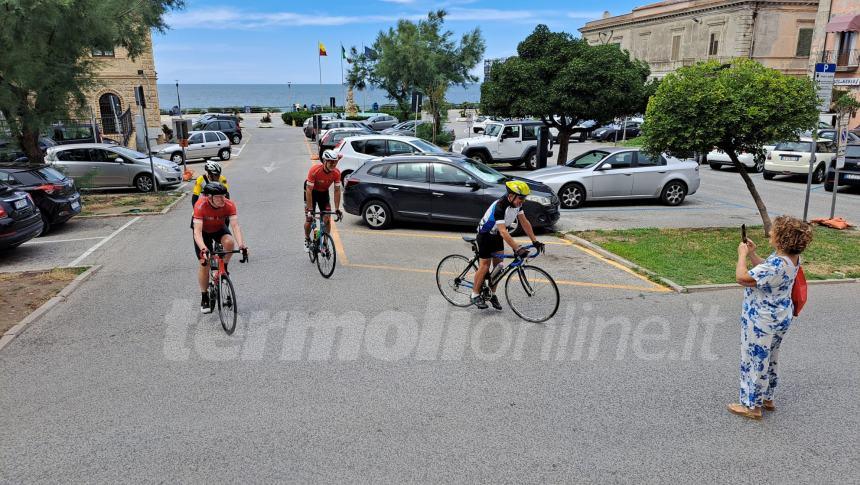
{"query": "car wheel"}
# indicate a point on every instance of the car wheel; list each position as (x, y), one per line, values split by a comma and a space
(531, 160)
(768, 175)
(46, 226)
(714, 166)
(144, 182)
(759, 166)
(235, 139)
(344, 175)
(819, 175)
(479, 157)
(674, 193)
(377, 214)
(571, 196)
(224, 154)
(176, 158)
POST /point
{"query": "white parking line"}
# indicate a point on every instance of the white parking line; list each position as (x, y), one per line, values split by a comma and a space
(51, 241)
(102, 242)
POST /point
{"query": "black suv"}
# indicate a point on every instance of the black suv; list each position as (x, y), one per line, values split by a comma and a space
(228, 127)
(444, 188)
(55, 194)
(850, 173)
(19, 219)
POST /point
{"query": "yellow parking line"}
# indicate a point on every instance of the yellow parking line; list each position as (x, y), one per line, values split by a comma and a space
(338, 244)
(619, 266)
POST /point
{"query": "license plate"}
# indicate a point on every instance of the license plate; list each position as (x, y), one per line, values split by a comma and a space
(853, 177)
(20, 204)
(76, 205)
(790, 158)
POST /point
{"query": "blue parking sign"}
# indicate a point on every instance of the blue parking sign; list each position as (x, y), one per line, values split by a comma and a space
(822, 67)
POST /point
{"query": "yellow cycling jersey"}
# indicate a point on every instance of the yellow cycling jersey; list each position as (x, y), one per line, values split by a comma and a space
(202, 180)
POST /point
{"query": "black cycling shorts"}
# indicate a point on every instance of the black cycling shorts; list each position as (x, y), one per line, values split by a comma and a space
(321, 200)
(489, 244)
(209, 238)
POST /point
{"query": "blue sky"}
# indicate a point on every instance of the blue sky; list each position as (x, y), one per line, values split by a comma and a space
(274, 42)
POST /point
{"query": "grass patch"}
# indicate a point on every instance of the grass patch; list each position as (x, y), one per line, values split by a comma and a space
(103, 204)
(632, 142)
(26, 291)
(708, 255)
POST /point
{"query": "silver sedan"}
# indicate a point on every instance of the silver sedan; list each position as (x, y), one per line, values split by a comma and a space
(620, 173)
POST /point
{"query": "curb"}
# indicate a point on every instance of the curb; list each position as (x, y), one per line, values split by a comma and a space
(60, 297)
(135, 214)
(629, 264)
(675, 286)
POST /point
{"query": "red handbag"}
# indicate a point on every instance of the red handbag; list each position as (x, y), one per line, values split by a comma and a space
(798, 291)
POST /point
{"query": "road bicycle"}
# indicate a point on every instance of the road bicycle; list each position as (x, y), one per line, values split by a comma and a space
(322, 250)
(530, 291)
(221, 291)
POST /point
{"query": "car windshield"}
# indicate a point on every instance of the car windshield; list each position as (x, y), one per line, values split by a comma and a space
(51, 175)
(587, 159)
(427, 147)
(492, 129)
(852, 151)
(794, 146)
(483, 172)
(126, 152)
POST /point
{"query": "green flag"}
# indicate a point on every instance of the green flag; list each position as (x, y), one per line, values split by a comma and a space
(342, 52)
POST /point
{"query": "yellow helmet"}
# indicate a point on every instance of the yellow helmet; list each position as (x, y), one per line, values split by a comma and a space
(517, 187)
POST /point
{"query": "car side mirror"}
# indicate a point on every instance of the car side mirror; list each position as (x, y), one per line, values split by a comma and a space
(474, 185)
(605, 166)
(118, 160)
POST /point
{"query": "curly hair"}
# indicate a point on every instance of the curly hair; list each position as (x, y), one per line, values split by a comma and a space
(791, 235)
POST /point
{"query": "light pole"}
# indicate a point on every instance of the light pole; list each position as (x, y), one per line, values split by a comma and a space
(178, 101)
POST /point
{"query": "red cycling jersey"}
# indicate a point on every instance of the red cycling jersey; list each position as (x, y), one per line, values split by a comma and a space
(322, 180)
(213, 219)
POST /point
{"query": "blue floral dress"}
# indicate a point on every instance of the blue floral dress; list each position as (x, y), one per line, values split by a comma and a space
(766, 316)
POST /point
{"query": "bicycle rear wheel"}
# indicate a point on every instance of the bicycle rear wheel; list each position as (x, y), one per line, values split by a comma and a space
(532, 293)
(227, 309)
(457, 290)
(326, 255)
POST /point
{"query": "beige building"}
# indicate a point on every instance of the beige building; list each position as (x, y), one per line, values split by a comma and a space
(676, 33)
(837, 41)
(113, 96)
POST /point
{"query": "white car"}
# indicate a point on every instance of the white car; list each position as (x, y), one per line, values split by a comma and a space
(717, 158)
(328, 125)
(620, 173)
(513, 142)
(201, 145)
(356, 150)
(795, 158)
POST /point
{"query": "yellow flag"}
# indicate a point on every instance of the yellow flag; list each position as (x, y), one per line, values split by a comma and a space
(322, 50)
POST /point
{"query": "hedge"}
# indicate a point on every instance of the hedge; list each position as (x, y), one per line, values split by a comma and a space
(298, 116)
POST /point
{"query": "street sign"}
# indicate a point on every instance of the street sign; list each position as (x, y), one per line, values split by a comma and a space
(825, 74)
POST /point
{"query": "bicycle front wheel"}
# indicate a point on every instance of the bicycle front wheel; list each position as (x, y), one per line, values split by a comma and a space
(312, 251)
(326, 255)
(455, 277)
(532, 293)
(227, 309)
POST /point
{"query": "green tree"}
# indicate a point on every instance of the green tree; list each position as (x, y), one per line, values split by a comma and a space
(418, 56)
(46, 66)
(737, 107)
(563, 80)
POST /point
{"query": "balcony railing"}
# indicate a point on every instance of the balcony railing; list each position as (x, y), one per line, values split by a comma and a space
(844, 60)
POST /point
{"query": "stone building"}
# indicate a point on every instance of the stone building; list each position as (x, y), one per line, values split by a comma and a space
(837, 30)
(113, 95)
(675, 33)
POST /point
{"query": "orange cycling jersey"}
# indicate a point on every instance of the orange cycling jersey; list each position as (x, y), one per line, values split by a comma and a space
(321, 180)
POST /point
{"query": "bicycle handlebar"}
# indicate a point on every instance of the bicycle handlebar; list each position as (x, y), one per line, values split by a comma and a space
(235, 251)
(530, 255)
(327, 213)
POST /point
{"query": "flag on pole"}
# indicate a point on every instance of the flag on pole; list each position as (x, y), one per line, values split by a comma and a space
(322, 50)
(369, 52)
(343, 52)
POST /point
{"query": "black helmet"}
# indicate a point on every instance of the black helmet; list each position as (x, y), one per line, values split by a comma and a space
(214, 188)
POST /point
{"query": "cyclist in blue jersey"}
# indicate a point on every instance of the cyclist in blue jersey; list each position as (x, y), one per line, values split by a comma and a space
(493, 234)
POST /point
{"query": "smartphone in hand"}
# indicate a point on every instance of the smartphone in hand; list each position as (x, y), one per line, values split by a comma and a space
(743, 233)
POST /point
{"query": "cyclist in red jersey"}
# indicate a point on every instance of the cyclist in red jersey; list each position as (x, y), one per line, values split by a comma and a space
(320, 178)
(212, 213)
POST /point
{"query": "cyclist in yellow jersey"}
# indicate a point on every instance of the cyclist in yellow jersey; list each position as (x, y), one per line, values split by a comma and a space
(213, 174)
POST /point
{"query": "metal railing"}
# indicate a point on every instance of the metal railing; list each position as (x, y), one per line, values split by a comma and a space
(850, 58)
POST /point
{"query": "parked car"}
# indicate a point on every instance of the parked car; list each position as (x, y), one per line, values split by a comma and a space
(53, 193)
(850, 173)
(308, 125)
(333, 136)
(795, 157)
(407, 128)
(229, 128)
(356, 150)
(11, 152)
(216, 116)
(620, 173)
(332, 124)
(438, 188)
(107, 166)
(716, 159)
(830, 134)
(380, 122)
(608, 132)
(201, 145)
(20, 220)
(513, 142)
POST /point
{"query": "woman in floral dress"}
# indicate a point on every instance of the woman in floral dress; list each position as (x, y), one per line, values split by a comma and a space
(767, 311)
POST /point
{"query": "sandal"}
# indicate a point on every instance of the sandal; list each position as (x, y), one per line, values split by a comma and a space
(769, 405)
(741, 410)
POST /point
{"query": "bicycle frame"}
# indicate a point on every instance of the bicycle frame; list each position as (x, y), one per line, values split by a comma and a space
(490, 282)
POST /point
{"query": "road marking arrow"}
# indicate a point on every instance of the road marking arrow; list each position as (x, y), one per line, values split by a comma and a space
(270, 167)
